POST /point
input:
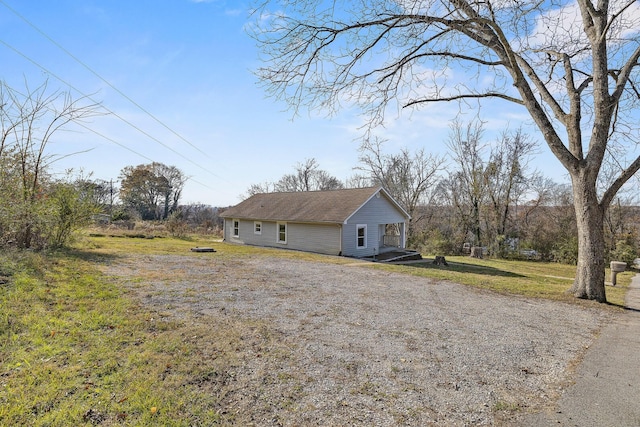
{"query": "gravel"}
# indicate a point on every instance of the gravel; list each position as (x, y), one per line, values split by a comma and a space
(354, 345)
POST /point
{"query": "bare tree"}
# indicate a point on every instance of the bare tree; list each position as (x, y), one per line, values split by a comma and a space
(466, 186)
(573, 66)
(307, 177)
(28, 124)
(409, 177)
(507, 179)
(265, 187)
(359, 180)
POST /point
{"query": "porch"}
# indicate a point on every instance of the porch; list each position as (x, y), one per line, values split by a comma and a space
(392, 237)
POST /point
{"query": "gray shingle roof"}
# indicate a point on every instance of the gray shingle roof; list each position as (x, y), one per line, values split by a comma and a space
(334, 206)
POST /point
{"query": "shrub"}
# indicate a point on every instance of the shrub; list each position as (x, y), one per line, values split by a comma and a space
(624, 251)
(566, 251)
(176, 225)
(436, 243)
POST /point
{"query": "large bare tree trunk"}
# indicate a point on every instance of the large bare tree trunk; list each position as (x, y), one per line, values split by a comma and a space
(590, 273)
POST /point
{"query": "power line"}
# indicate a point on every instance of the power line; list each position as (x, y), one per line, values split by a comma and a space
(133, 151)
(106, 109)
(100, 77)
(114, 141)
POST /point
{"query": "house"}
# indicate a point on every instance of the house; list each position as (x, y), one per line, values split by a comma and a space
(357, 222)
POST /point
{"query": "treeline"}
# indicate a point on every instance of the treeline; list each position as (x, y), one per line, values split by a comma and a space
(482, 193)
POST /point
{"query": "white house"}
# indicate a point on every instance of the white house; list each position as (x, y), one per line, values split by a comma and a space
(357, 222)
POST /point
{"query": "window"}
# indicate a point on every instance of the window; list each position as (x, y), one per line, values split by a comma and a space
(257, 227)
(361, 236)
(236, 228)
(282, 232)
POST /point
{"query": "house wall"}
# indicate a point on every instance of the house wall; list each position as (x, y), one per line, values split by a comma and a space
(319, 238)
(376, 211)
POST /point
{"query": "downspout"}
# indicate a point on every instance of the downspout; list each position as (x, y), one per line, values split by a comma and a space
(340, 253)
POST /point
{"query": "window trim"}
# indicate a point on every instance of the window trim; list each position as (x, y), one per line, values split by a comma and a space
(278, 224)
(235, 227)
(358, 228)
(257, 227)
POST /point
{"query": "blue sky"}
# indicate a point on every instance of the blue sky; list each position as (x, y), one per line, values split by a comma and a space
(188, 64)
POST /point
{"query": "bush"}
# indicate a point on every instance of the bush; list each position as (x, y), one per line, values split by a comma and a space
(176, 225)
(624, 251)
(67, 211)
(566, 251)
(435, 242)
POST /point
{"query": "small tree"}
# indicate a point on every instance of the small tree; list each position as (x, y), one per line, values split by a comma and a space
(28, 123)
(69, 208)
(409, 177)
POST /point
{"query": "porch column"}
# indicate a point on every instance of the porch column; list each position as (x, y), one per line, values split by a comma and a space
(403, 236)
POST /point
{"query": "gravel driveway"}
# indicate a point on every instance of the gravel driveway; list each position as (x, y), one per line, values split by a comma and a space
(364, 347)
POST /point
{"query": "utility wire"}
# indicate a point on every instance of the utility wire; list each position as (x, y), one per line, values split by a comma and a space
(133, 151)
(106, 109)
(75, 58)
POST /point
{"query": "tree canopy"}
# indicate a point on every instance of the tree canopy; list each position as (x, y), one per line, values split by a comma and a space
(307, 177)
(152, 190)
(571, 65)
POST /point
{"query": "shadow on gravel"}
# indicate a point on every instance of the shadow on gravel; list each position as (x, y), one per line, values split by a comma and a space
(466, 268)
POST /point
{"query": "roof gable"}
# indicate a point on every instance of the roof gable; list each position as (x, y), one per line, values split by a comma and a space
(334, 206)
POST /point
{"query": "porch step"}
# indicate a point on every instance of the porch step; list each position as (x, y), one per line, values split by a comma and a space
(398, 255)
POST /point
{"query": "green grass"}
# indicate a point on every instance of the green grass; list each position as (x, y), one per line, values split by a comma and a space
(526, 278)
(76, 348)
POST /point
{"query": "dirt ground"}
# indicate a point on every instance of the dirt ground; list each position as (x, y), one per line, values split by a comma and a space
(338, 345)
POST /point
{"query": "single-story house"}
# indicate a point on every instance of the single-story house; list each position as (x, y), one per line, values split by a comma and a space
(356, 222)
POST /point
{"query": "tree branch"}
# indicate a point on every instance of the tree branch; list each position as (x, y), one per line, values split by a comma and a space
(465, 96)
(624, 176)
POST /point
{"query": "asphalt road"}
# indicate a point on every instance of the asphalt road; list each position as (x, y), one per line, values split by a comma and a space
(606, 391)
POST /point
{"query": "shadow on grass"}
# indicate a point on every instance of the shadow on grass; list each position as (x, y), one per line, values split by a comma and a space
(88, 256)
(460, 267)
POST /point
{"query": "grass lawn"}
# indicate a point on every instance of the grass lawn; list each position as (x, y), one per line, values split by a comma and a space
(527, 278)
(76, 349)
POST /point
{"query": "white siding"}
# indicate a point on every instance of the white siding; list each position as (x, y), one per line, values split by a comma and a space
(318, 238)
(324, 239)
(378, 210)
